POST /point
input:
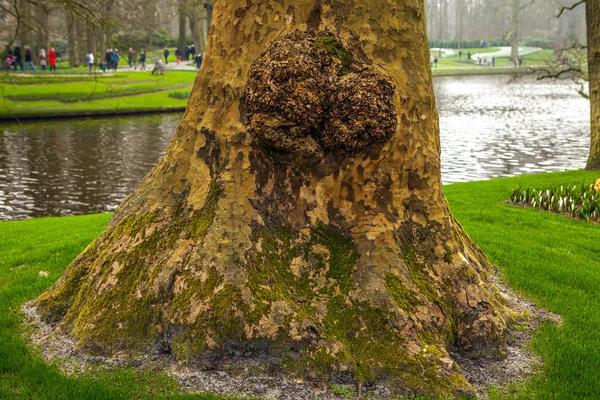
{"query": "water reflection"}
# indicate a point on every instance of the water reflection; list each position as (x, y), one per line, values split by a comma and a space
(490, 128)
(77, 167)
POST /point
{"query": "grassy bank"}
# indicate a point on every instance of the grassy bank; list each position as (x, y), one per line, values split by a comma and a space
(551, 259)
(37, 94)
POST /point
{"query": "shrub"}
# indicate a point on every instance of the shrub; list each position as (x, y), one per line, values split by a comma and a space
(180, 95)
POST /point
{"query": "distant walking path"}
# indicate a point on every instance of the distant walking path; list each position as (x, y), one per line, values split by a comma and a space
(504, 52)
(172, 66)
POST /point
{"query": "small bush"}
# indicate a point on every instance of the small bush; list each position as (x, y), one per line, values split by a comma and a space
(180, 95)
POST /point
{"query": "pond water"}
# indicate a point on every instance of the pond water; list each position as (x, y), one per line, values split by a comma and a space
(490, 127)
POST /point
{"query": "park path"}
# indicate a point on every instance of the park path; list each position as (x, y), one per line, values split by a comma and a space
(503, 52)
(172, 66)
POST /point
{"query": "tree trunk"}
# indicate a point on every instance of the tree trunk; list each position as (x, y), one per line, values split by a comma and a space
(515, 30)
(193, 21)
(297, 225)
(81, 41)
(72, 47)
(25, 24)
(101, 42)
(182, 26)
(459, 22)
(91, 40)
(42, 36)
(593, 32)
(444, 20)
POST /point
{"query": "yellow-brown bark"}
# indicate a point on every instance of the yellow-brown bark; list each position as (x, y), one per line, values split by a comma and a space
(237, 254)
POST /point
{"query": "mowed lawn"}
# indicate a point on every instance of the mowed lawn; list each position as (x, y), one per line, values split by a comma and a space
(551, 259)
(56, 94)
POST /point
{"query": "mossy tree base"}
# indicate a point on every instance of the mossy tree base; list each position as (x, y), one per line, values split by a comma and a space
(247, 256)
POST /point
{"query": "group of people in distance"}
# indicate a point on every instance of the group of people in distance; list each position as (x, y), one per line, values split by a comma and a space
(189, 53)
(15, 57)
(112, 59)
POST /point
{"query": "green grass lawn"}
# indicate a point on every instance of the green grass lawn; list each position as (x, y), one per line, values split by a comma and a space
(55, 94)
(552, 260)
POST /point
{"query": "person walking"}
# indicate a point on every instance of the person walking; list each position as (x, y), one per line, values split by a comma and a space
(43, 59)
(18, 57)
(143, 60)
(130, 57)
(8, 58)
(135, 60)
(193, 51)
(166, 54)
(468, 56)
(90, 60)
(52, 59)
(102, 62)
(460, 55)
(178, 55)
(435, 62)
(199, 59)
(116, 58)
(29, 59)
(186, 52)
(108, 58)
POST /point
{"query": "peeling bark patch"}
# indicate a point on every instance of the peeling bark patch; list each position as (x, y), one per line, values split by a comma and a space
(308, 94)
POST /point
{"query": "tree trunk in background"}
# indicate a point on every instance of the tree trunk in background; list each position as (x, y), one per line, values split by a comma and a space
(297, 226)
(593, 33)
(193, 20)
(459, 21)
(100, 39)
(71, 41)
(26, 24)
(515, 30)
(443, 20)
(42, 36)
(90, 40)
(81, 41)
(182, 13)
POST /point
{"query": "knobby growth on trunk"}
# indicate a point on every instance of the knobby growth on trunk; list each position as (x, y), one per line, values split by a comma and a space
(296, 226)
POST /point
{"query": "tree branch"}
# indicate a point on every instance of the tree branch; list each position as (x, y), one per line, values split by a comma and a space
(570, 8)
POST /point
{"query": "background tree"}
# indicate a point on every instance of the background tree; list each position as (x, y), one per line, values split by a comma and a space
(591, 74)
(297, 224)
(593, 34)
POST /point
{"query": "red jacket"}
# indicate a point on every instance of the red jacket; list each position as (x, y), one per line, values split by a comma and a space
(52, 58)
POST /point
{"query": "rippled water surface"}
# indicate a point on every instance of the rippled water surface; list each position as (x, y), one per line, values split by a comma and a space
(490, 128)
(493, 127)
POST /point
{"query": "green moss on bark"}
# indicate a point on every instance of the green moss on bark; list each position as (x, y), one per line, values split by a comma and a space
(335, 50)
(405, 298)
(342, 256)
